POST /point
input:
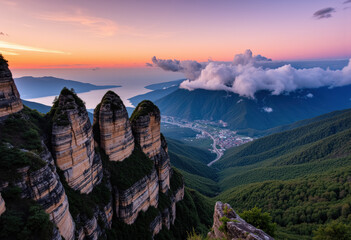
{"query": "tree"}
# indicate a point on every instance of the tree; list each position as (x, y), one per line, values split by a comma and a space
(259, 219)
(333, 231)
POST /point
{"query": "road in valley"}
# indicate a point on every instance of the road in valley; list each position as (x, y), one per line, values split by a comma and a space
(215, 149)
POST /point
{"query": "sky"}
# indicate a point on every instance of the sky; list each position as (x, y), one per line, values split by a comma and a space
(114, 33)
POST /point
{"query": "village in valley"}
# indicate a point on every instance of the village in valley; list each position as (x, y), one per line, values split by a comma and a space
(222, 137)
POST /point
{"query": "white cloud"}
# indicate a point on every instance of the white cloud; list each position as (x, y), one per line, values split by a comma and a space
(267, 109)
(310, 95)
(245, 76)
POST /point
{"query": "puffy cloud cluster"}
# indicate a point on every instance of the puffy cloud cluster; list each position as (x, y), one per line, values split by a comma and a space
(191, 69)
(245, 77)
(248, 58)
(246, 80)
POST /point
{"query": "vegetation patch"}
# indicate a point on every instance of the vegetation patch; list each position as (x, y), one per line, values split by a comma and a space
(163, 201)
(298, 206)
(23, 218)
(126, 173)
(3, 60)
(23, 130)
(67, 100)
(12, 158)
(85, 204)
(177, 181)
(113, 100)
(260, 220)
(144, 108)
(139, 230)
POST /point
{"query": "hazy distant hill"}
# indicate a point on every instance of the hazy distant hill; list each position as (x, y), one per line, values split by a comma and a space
(34, 87)
(264, 112)
(45, 109)
(160, 90)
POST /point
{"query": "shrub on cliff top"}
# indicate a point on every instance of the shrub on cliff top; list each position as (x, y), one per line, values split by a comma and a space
(116, 104)
(3, 60)
(23, 130)
(12, 158)
(58, 112)
(144, 108)
(259, 219)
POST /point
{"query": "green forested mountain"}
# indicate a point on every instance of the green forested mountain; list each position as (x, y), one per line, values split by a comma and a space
(192, 163)
(301, 176)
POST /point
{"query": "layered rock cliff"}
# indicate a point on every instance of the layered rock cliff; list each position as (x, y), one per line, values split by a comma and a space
(228, 225)
(10, 101)
(44, 186)
(55, 161)
(146, 123)
(73, 143)
(139, 197)
(112, 124)
(2, 205)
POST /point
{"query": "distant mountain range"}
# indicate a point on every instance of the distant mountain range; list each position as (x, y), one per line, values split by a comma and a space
(160, 90)
(35, 87)
(265, 112)
(45, 109)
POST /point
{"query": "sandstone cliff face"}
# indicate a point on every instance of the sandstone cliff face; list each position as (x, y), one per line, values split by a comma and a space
(45, 188)
(73, 143)
(146, 122)
(116, 136)
(237, 228)
(2, 205)
(146, 128)
(89, 230)
(10, 101)
(139, 197)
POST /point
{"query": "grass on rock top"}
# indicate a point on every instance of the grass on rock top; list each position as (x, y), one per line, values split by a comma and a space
(67, 100)
(113, 99)
(22, 130)
(144, 108)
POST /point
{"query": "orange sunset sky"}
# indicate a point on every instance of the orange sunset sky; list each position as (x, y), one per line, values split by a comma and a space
(107, 33)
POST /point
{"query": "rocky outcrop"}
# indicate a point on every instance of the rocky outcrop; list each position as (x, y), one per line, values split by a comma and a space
(146, 127)
(169, 214)
(107, 214)
(2, 205)
(73, 143)
(45, 188)
(116, 136)
(156, 225)
(139, 197)
(146, 122)
(179, 194)
(90, 229)
(235, 228)
(10, 101)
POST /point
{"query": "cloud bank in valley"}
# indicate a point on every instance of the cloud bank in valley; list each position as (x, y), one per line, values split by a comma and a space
(245, 77)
